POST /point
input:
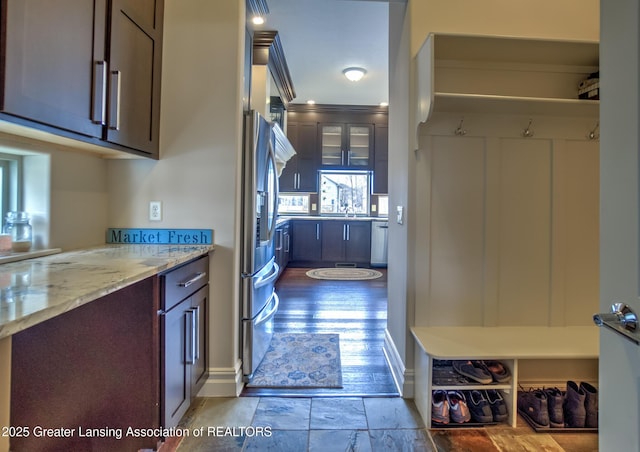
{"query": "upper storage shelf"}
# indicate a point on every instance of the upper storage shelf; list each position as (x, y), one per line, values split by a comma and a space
(490, 74)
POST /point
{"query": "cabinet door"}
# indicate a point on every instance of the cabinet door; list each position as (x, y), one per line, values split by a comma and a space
(200, 309)
(134, 74)
(381, 160)
(176, 372)
(358, 241)
(360, 141)
(334, 233)
(301, 172)
(53, 50)
(286, 254)
(288, 179)
(332, 145)
(306, 240)
(307, 162)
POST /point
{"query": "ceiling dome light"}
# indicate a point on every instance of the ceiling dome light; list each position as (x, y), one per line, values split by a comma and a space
(257, 20)
(354, 73)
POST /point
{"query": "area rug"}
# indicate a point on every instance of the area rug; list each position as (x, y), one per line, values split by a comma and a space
(344, 273)
(300, 361)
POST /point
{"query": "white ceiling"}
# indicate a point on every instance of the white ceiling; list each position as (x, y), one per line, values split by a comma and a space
(322, 37)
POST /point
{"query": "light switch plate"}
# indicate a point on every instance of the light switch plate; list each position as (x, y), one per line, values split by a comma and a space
(400, 214)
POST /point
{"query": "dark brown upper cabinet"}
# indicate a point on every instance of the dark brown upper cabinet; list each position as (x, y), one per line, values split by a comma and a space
(345, 145)
(84, 69)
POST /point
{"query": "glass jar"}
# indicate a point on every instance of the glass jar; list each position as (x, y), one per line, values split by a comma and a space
(17, 225)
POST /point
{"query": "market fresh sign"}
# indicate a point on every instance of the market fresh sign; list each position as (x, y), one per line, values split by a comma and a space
(161, 236)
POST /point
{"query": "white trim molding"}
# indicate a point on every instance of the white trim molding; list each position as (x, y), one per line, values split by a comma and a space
(403, 377)
(223, 382)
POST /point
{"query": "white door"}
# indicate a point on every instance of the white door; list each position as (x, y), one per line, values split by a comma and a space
(619, 382)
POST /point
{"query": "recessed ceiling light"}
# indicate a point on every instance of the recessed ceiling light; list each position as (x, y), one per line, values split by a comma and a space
(311, 102)
(257, 20)
(384, 104)
(354, 73)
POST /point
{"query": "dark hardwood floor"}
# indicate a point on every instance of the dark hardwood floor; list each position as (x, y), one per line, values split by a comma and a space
(357, 311)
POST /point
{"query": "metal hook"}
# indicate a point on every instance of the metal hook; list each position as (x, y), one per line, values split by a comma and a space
(460, 131)
(593, 135)
(528, 133)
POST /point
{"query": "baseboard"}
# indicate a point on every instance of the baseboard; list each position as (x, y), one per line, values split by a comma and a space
(403, 378)
(223, 382)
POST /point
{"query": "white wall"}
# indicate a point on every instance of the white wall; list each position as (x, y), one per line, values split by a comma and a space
(196, 177)
(400, 311)
(561, 19)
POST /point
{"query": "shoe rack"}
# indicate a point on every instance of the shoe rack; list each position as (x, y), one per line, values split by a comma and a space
(515, 347)
(444, 377)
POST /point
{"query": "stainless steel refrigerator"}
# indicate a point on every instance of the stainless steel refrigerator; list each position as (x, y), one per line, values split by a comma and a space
(259, 270)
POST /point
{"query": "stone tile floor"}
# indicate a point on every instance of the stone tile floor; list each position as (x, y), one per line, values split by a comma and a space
(350, 424)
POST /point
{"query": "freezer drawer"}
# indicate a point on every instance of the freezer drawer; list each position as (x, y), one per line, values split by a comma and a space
(257, 334)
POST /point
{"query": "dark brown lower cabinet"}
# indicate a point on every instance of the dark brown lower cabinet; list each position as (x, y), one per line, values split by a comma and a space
(346, 241)
(306, 240)
(93, 371)
(115, 373)
(185, 293)
(184, 354)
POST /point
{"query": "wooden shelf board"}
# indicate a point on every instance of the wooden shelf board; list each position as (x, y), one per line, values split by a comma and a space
(526, 342)
(494, 104)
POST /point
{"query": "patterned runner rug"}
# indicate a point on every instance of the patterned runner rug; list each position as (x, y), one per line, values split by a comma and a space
(300, 360)
(344, 273)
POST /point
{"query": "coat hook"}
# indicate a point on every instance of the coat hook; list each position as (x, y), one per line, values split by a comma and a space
(528, 133)
(594, 135)
(460, 131)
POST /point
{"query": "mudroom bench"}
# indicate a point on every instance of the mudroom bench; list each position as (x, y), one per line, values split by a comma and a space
(535, 356)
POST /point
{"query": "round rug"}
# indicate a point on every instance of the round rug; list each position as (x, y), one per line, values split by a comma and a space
(344, 273)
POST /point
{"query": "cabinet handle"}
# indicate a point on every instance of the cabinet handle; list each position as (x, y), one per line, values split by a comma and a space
(187, 283)
(344, 232)
(190, 336)
(348, 157)
(348, 232)
(98, 100)
(317, 231)
(114, 104)
(287, 242)
(196, 333)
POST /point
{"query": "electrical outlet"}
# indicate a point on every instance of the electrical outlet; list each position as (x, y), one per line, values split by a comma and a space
(155, 211)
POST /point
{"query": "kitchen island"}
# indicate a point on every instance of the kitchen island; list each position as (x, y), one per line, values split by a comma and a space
(79, 335)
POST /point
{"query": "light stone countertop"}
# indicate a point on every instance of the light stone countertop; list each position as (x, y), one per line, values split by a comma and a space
(35, 290)
(284, 218)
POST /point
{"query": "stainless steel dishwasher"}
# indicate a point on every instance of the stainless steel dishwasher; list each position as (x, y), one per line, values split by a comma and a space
(379, 229)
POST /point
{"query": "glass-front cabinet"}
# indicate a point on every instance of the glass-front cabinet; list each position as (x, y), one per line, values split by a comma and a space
(346, 145)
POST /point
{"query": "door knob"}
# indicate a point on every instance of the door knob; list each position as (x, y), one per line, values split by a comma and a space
(621, 319)
(620, 314)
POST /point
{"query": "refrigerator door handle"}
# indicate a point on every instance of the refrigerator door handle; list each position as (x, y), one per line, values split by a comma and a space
(267, 314)
(275, 194)
(263, 280)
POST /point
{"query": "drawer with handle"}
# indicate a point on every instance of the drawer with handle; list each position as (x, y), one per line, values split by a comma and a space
(179, 283)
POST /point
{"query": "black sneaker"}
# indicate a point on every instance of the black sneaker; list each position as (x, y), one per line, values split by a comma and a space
(474, 370)
(479, 407)
(533, 406)
(497, 404)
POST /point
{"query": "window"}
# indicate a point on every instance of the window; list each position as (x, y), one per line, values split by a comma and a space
(10, 172)
(293, 204)
(345, 192)
(383, 206)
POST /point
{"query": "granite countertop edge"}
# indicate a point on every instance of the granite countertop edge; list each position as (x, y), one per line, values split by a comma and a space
(35, 290)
